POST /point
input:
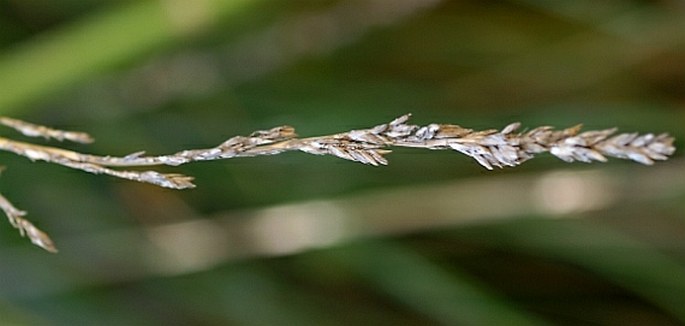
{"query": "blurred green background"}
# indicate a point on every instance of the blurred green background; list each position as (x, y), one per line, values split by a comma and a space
(295, 239)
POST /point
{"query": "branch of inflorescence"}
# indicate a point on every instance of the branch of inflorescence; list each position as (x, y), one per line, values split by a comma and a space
(490, 148)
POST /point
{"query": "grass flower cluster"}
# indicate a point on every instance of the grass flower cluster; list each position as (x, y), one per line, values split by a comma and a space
(507, 147)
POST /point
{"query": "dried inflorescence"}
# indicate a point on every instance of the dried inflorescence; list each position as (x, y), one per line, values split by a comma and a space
(16, 218)
(490, 148)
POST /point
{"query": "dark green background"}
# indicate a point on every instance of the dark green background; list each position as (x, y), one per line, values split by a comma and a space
(163, 76)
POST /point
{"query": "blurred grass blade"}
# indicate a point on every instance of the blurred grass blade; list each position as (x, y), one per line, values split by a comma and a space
(618, 258)
(11, 315)
(75, 52)
(446, 296)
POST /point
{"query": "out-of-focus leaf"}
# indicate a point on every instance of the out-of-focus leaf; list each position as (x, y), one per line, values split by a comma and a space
(60, 58)
(448, 297)
(616, 257)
